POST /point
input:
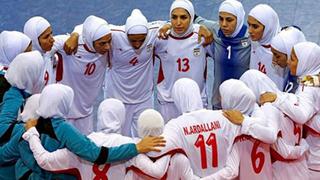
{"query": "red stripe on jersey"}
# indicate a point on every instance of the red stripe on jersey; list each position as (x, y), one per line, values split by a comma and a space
(275, 156)
(242, 137)
(181, 38)
(171, 153)
(73, 171)
(87, 48)
(59, 72)
(266, 46)
(140, 173)
(311, 130)
(160, 74)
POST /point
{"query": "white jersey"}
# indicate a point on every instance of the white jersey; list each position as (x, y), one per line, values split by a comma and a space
(255, 162)
(142, 167)
(172, 165)
(261, 59)
(63, 160)
(51, 59)
(313, 139)
(205, 135)
(254, 144)
(130, 78)
(181, 57)
(84, 72)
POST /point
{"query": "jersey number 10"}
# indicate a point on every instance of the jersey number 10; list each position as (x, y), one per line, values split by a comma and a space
(201, 144)
(90, 67)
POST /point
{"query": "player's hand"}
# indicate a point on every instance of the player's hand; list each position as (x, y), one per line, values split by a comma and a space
(164, 31)
(310, 80)
(149, 143)
(30, 123)
(71, 45)
(267, 97)
(206, 34)
(234, 116)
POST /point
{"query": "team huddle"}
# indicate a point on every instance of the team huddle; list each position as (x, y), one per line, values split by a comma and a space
(261, 123)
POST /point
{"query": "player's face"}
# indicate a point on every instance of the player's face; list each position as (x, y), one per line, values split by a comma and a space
(180, 20)
(279, 58)
(293, 63)
(46, 40)
(136, 40)
(103, 44)
(29, 48)
(227, 22)
(255, 29)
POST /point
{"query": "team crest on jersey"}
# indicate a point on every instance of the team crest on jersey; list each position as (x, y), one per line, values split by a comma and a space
(149, 48)
(244, 43)
(196, 51)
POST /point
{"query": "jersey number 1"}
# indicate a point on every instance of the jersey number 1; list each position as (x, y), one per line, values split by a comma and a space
(211, 141)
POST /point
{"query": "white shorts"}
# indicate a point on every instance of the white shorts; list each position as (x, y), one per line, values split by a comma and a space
(168, 110)
(133, 111)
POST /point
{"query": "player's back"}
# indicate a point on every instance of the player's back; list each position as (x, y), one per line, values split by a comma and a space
(105, 171)
(205, 135)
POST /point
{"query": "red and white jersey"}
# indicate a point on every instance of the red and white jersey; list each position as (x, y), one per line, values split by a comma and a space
(84, 72)
(206, 136)
(172, 165)
(62, 160)
(50, 59)
(255, 161)
(130, 78)
(313, 139)
(261, 59)
(180, 57)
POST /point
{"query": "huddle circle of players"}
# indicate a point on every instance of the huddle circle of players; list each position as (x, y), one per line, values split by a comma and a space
(264, 123)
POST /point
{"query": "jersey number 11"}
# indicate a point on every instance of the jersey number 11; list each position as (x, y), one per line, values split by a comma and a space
(201, 144)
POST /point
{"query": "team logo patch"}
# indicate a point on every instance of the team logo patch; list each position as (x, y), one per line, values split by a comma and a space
(244, 43)
(149, 47)
(196, 51)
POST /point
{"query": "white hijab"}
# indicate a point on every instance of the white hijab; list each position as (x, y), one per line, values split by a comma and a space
(286, 39)
(55, 101)
(269, 18)
(188, 6)
(186, 95)
(236, 95)
(12, 43)
(136, 23)
(33, 28)
(26, 72)
(235, 8)
(308, 54)
(94, 28)
(150, 123)
(259, 83)
(30, 108)
(111, 116)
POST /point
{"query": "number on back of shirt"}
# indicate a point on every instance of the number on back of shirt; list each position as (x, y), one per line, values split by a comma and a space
(211, 142)
(257, 158)
(100, 174)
